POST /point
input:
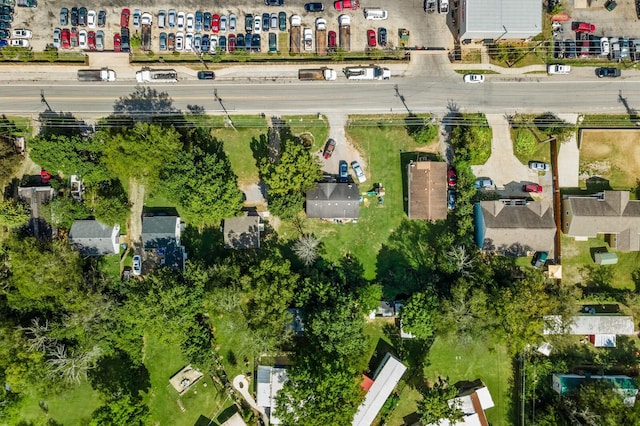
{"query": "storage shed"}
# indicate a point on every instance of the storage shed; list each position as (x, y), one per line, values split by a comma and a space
(606, 258)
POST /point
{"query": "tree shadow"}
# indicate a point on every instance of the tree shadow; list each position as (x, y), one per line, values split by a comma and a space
(413, 352)
(206, 244)
(118, 374)
(54, 123)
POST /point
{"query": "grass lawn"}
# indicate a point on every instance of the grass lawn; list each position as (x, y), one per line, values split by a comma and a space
(234, 342)
(607, 120)
(318, 127)
(541, 152)
(110, 265)
(382, 148)
(577, 254)
(70, 408)
(163, 360)
(606, 153)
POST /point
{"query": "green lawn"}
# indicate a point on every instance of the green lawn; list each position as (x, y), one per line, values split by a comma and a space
(318, 127)
(70, 408)
(577, 254)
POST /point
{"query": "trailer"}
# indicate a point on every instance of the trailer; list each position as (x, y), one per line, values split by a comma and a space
(321, 37)
(146, 37)
(317, 74)
(371, 72)
(345, 32)
(148, 75)
(294, 35)
(103, 74)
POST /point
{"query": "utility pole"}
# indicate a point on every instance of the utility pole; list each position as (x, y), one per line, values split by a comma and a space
(219, 100)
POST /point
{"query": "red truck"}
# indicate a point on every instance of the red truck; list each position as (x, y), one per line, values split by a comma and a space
(347, 4)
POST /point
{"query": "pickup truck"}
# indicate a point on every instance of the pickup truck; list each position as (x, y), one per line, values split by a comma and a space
(559, 69)
(148, 75)
(346, 4)
(371, 72)
(103, 74)
(317, 74)
(307, 35)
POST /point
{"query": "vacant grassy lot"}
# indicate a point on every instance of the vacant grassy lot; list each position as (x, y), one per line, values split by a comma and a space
(611, 154)
(69, 408)
(576, 255)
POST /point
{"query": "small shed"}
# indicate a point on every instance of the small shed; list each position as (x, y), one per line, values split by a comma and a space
(606, 258)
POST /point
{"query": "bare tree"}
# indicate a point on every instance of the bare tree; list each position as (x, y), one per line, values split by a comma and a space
(306, 248)
(72, 367)
(37, 336)
(463, 260)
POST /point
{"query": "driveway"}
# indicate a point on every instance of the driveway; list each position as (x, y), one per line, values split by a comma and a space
(344, 150)
(569, 157)
(507, 172)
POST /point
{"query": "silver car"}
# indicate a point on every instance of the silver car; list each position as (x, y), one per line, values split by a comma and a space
(538, 166)
(357, 169)
(100, 41)
(232, 22)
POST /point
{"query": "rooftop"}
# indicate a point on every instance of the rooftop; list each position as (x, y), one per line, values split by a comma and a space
(242, 232)
(427, 190)
(333, 200)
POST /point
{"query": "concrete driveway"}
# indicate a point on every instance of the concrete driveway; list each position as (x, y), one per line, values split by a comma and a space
(343, 151)
(569, 157)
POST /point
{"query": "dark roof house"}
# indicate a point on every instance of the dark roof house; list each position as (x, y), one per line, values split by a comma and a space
(333, 200)
(514, 230)
(93, 238)
(611, 213)
(161, 235)
(242, 232)
(427, 181)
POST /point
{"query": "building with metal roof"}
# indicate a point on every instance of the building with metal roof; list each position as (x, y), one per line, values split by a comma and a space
(93, 238)
(242, 232)
(427, 181)
(334, 201)
(499, 19)
(270, 380)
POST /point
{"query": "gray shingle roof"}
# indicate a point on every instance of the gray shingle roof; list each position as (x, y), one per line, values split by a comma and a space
(159, 231)
(332, 200)
(590, 324)
(242, 232)
(93, 238)
(504, 19)
(427, 182)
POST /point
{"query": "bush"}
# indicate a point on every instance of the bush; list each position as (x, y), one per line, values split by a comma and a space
(525, 142)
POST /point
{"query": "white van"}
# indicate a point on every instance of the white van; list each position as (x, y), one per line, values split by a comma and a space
(444, 6)
(162, 18)
(375, 14)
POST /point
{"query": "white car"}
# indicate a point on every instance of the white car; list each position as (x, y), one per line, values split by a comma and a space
(213, 43)
(484, 183)
(604, 45)
(190, 22)
(188, 42)
(21, 42)
(358, 171)
(232, 22)
(100, 41)
(91, 18)
(82, 39)
(57, 34)
(146, 18)
(136, 18)
(180, 22)
(559, 69)
(223, 23)
(257, 24)
(538, 166)
(137, 265)
(474, 78)
(21, 33)
(179, 42)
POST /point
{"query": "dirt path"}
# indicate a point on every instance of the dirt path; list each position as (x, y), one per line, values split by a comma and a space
(136, 199)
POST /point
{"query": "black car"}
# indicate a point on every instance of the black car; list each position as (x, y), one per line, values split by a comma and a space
(5, 25)
(125, 40)
(314, 7)
(4, 34)
(206, 75)
(265, 22)
(6, 18)
(82, 16)
(570, 49)
(608, 72)
(248, 22)
(74, 16)
(222, 44)
(255, 43)
(274, 2)
(102, 18)
(206, 24)
(64, 16)
(247, 42)
(240, 42)
(6, 10)
(382, 36)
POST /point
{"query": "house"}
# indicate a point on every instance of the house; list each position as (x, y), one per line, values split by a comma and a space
(384, 309)
(334, 201)
(427, 181)
(385, 379)
(93, 238)
(161, 240)
(624, 385)
(499, 19)
(472, 402)
(611, 213)
(601, 329)
(514, 229)
(270, 381)
(242, 232)
(36, 196)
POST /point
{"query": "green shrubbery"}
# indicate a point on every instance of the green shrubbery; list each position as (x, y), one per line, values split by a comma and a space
(525, 142)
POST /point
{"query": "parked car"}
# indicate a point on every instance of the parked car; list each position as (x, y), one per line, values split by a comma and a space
(171, 20)
(215, 23)
(452, 178)
(91, 40)
(126, 41)
(206, 75)
(583, 27)
(273, 42)
(474, 78)
(99, 40)
(65, 39)
(247, 42)
(57, 36)
(257, 24)
(539, 259)
(273, 21)
(180, 20)
(343, 171)
(190, 25)
(265, 22)
(199, 21)
(213, 43)
(314, 7)
(222, 43)
(136, 18)
(332, 40)
(233, 20)
(5, 26)
(146, 18)
(255, 43)
(64, 16)
(223, 23)
(102, 18)
(382, 36)
(570, 51)
(179, 41)
(604, 45)
(137, 265)
(82, 39)
(282, 21)
(21, 42)
(232, 43)
(124, 18)
(451, 199)
(274, 2)
(92, 18)
(610, 5)
(197, 42)
(188, 42)
(74, 37)
(240, 42)
(371, 38)
(248, 22)
(358, 171)
(558, 69)
(74, 16)
(24, 33)
(206, 21)
(484, 183)
(608, 72)
(117, 43)
(82, 16)
(163, 41)
(539, 166)
(329, 147)
(171, 42)
(532, 187)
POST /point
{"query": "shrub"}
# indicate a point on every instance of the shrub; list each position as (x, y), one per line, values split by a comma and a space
(525, 142)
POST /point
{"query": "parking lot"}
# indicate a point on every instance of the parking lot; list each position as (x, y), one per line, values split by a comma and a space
(425, 29)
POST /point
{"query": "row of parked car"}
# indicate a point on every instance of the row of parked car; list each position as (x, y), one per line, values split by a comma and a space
(82, 17)
(197, 42)
(614, 48)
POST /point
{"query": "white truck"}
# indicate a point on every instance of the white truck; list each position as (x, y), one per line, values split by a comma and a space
(294, 32)
(148, 75)
(559, 69)
(444, 6)
(345, 32)
(321, 36)
(307, 36)
(317, 74)
(371, 72)
(103, 74)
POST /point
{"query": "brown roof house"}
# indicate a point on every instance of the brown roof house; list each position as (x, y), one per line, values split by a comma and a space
(334, 201)
(514, 229)
(242, 232)
(611, 213)
(427, 190)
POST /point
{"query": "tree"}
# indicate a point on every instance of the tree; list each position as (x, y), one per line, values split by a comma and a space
(9, 158)
(306, 248)
(120, 412)
(434, 405)
(13, 214)
(109, 202)
(465, 313)
(289, 177)
(63, 211)
(418, 315)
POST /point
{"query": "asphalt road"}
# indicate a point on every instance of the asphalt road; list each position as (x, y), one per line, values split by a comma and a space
(499, 94)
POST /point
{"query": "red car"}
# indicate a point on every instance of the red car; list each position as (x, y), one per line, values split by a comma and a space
(91, 40)
(332, 40)
(583, 27)
(215, 23)
(452, 179)
(532, 187)
(117, 43)
(232, 42)
(66, 38)
(124, 18)
(45, 176)
(329, 148)
(371, 38)
(346, 4)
